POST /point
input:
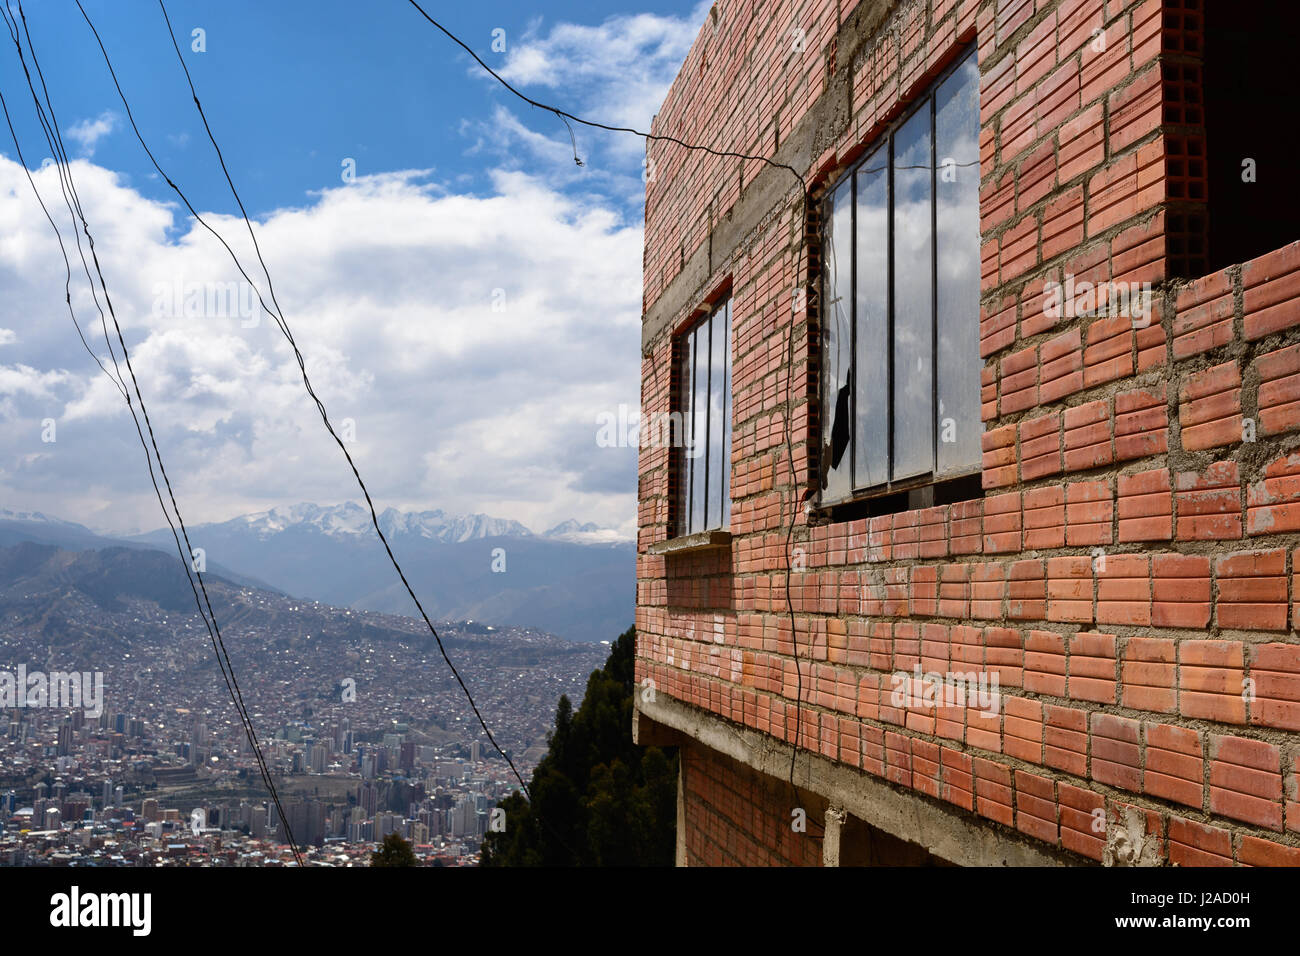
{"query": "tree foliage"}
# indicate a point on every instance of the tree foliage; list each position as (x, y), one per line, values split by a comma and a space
(395, 851)
(598, 799)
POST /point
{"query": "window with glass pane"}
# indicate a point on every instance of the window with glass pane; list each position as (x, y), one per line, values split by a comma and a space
(706, 414)
(900, 308)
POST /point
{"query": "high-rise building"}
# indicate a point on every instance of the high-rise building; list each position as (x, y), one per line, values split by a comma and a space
(198, 742)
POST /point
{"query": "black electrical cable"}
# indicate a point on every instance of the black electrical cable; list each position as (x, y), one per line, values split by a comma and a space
(565, 115)
(794, 489)
(277, 316)
(67, 265)
(54, 139)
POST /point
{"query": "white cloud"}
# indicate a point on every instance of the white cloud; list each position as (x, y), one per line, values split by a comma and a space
(88, 132)
(388, 285)
(616, 72)
(7, 337)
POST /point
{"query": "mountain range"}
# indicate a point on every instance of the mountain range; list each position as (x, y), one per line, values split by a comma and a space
(575, 580)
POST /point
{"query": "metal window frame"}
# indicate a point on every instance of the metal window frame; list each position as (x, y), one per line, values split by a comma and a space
(687, 464)
(927, 100)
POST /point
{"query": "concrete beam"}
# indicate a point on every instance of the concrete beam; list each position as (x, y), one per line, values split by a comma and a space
(771, 189)
(944, 830)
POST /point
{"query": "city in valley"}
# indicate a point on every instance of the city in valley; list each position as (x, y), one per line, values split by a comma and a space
(362, 727)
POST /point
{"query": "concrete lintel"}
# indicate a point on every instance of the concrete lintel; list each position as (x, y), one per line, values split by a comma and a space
(947, 832)
(691, 543)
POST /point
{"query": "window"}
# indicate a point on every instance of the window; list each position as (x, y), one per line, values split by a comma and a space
(900, 303)
(1236, 64)
(705, 463)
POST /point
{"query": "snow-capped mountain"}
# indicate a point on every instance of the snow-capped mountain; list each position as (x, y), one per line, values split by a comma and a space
(38, 518)
(351, 518)
(588, 533)
(441, 526)
(576, 580)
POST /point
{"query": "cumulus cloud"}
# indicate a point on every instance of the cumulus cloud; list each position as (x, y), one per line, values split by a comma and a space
(616, 72)
(469, 341)
(87, 133)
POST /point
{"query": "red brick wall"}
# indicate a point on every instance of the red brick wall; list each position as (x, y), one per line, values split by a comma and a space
(736, 817)
(1128, 574)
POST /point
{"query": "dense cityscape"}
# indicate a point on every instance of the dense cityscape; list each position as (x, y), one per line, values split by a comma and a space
(362, 727)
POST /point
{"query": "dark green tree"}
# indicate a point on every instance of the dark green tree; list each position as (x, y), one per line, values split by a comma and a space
(598, 799)
(394, 852)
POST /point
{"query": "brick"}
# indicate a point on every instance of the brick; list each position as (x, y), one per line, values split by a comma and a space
(1252, 590)
(958, 785)
(1063, 224)
(1141, 424)
(1045, 663)
(1124, 590)
(1279, 391)
(1270, 284)
(1036, 806)
(1078, 815)
(1209, 503)
(1210, 407)
(1044, 518)
(1023, 729)
(1040, 447)
(1091, 667)
(992, 790)
(1149, 673)
(1089, 510)
(1135, 109)
(1253, 851)
(1004, 655)
(1211, 676)
(1109, 352)
(1002, 523)
(1196, 844)
(1174, 766)
(1115, 751)
(1180, 591)
(1083, 144)
(1065, 739)
(1069, 589)
(1246, 780)
(1273, 505)
(1275, 670)
(1062, 367)
(1088, 436)
(1145, 506)
(1204, 313)
(1018, 384)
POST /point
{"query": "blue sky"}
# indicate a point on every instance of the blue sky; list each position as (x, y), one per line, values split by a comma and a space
(470, 300)
(294, 88)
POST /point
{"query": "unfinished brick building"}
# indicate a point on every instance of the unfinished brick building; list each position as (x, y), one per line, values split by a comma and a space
(989, 484)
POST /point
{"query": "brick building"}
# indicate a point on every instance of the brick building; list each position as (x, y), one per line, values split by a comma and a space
(976, 413)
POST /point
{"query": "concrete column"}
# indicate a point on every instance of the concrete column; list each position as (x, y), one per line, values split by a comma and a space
(835, 817)
(681, 808)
